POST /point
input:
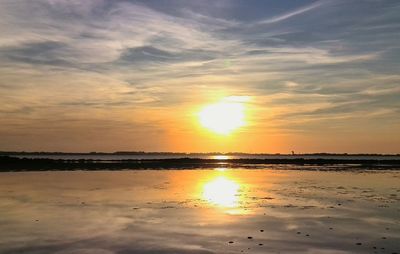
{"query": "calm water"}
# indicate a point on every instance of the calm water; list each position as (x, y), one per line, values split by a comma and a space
(218, 157)
(200, 211)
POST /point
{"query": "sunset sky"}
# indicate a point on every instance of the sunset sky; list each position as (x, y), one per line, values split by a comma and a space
(98, 75)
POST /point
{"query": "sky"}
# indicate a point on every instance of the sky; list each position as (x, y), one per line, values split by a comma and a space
(98, 75)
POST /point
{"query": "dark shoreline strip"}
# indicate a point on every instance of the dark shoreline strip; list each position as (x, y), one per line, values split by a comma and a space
(8, 163)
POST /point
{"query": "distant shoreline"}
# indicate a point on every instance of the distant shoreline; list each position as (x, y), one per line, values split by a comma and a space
(4, 153)
(9, 163)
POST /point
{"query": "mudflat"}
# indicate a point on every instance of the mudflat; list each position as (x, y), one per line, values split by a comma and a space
(216, 210)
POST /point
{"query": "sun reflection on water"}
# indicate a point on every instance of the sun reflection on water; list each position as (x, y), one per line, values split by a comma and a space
(221, 157)
(220, 169)
(222, 191)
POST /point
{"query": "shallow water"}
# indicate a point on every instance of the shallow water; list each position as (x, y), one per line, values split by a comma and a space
(200, 211)
(201, 156)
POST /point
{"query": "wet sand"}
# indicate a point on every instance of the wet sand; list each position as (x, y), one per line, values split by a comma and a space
(200, 211)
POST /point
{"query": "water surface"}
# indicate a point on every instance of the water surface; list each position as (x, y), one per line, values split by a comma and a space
(200, 211)
(201, 156)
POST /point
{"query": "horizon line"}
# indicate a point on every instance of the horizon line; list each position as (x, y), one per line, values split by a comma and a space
(189, 153)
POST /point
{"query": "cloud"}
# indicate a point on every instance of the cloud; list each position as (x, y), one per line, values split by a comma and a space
(291, 14)
(99, 57)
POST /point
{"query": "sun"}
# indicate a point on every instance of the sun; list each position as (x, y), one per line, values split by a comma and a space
(223, 117)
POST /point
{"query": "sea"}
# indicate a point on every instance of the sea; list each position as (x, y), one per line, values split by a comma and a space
(201, 156)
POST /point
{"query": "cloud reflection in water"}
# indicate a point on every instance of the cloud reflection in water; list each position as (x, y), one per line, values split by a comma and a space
(196, 212)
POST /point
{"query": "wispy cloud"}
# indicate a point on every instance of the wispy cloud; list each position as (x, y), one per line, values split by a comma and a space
(292, 13)
(119, 59)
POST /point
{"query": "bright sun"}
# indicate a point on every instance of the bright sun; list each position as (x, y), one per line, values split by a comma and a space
(223, 117)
